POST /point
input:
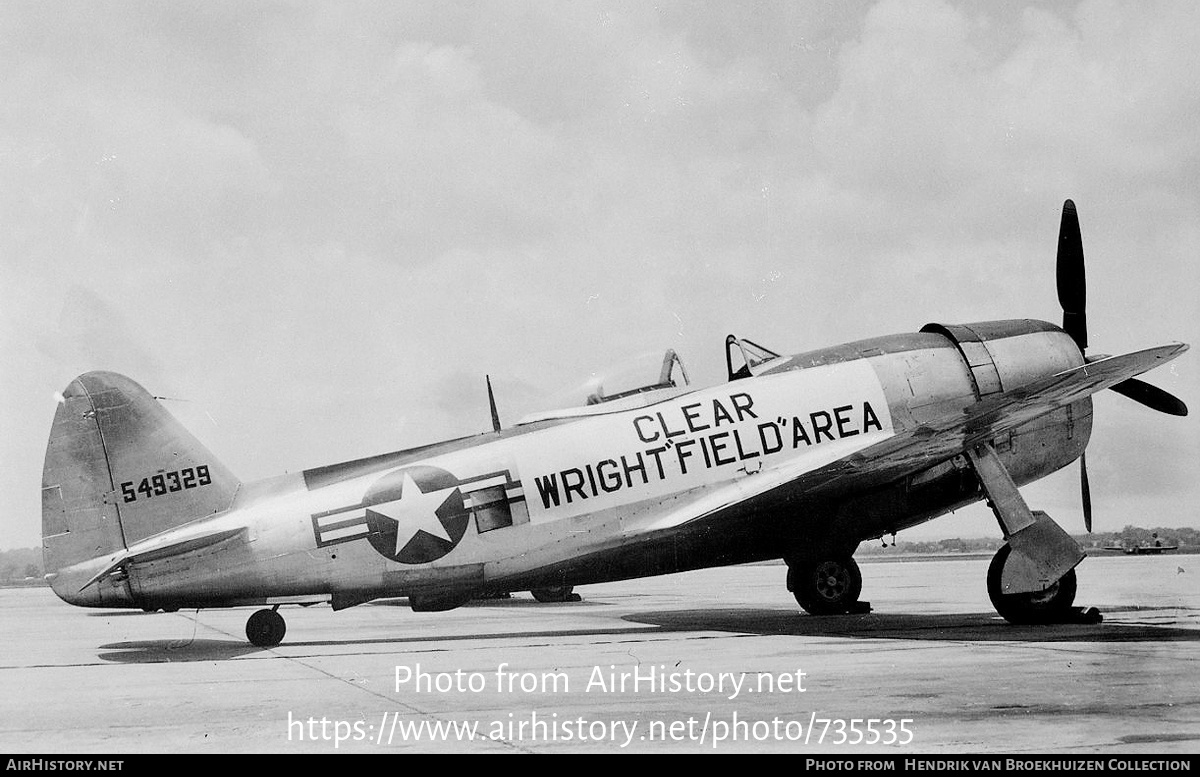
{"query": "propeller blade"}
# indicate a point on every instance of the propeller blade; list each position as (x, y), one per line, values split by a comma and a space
(1086, 493)
(1072, 286)
(1151, 396)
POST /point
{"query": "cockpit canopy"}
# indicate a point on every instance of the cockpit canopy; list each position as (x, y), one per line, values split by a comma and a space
(649, 378)
(671, 374)
(639, 382)
(744, 357)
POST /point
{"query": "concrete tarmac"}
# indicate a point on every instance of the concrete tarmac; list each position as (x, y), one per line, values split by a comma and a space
(716, 660)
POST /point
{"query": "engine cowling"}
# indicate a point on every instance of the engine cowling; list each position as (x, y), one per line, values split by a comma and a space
(1004, 355)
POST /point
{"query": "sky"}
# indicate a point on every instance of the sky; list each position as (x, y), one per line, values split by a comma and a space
(315, 227)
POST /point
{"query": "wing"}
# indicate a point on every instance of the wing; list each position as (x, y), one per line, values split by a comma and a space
(908, 452)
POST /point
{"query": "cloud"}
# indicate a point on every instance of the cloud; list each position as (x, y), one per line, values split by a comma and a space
(936, 106)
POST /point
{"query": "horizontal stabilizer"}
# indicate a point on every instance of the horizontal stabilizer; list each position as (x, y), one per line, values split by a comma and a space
(167, 545)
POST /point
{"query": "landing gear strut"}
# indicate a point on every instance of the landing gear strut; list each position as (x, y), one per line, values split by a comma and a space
(827, 586)
(1053, 605)
(266, 628)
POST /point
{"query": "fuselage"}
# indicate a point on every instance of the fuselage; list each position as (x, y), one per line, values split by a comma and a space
(580, 496)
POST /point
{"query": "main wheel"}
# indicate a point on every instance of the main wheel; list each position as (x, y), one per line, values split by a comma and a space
(826, 587)
(1048, 606)
(265, 628)
(558, 593)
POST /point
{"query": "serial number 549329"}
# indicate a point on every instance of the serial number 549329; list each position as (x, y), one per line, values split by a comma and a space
(166, 483)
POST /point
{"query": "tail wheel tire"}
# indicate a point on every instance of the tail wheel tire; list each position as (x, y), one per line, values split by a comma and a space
(265, 628)
(827, 587)
(1049, 606)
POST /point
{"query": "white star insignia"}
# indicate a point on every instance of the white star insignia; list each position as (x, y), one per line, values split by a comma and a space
(414, 511)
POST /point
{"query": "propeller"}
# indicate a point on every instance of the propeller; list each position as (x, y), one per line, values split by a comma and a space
(1151, 396)
(1072, 296)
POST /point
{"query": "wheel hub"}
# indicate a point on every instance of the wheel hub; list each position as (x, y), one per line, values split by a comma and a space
(832, 581)
(828, 586)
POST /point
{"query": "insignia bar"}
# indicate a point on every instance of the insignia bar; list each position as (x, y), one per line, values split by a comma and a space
(340, 526)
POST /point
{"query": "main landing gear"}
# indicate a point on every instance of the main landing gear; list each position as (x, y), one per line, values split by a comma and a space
(266, 628)
(1052, 605)
(1036, 550)
(558, 593)
(827, 586)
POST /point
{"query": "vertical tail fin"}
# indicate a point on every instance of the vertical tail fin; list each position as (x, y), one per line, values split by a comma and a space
(120, 468)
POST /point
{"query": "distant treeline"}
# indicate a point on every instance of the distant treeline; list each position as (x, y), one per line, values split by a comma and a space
(23, 566)
(1130, 536)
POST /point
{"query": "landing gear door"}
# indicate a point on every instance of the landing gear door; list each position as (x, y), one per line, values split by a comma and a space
(744, 358)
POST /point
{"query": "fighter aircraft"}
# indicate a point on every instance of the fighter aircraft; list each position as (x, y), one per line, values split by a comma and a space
(799, 458)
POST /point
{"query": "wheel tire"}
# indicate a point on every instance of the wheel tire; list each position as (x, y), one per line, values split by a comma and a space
(829, 586)
(265, 628)
(1050, 606)
(558, 593)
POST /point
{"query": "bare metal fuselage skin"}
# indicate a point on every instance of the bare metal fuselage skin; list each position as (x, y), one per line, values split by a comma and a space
(587, 496)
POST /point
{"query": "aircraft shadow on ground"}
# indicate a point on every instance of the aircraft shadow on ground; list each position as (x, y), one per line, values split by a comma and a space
(175, 651)
(971, 627)
(966, 627)
(165, 651)
(493, 603)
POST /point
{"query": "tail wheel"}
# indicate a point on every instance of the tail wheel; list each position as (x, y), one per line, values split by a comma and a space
(1049, 606)
(265, 628)
(826, 587)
